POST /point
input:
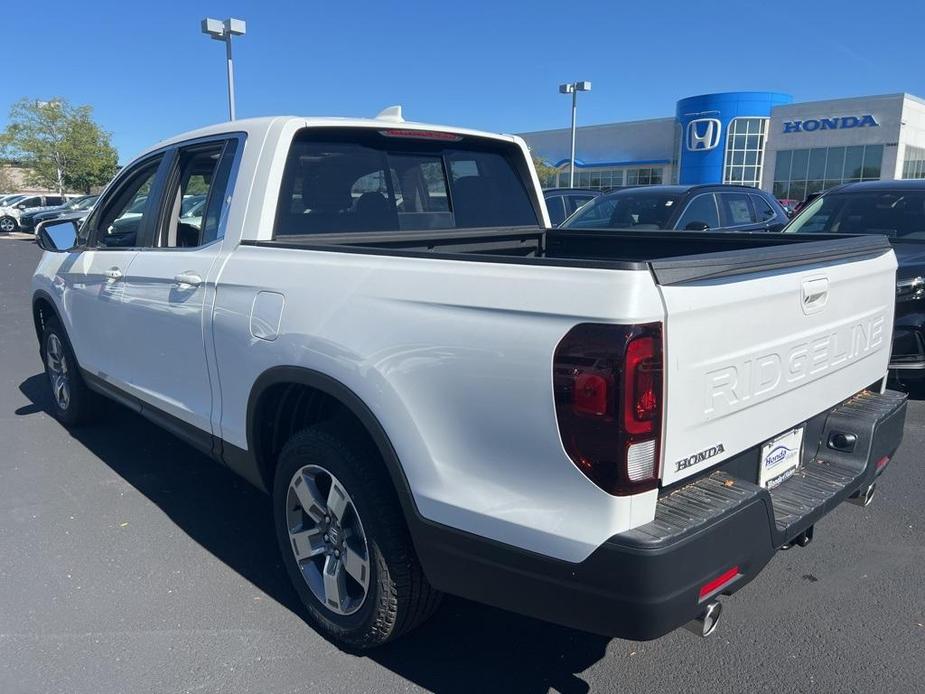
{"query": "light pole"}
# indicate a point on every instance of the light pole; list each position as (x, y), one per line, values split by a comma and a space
(573, 88)
(223, 31)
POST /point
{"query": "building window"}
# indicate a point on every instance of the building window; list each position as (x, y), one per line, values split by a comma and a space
(745, 151)
(605, 178)
(644, 177)
(914, 162)
(801, 172)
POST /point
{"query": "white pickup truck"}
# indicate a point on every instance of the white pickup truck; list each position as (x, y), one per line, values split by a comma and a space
(374, 322)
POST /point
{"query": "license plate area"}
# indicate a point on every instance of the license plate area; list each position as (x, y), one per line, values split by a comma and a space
(780, 457)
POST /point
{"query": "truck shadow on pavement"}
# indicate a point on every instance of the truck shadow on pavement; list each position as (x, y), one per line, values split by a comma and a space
(464, 647)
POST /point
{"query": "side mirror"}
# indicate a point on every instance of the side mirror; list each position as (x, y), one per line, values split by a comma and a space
(56, 236)
(697, 226)
(20, 207)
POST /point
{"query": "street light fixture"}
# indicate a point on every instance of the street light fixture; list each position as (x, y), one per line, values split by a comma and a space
(223, 31)
(573, 88)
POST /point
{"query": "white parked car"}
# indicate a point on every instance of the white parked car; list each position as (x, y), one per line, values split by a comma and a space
(13, 209)
(374, 323)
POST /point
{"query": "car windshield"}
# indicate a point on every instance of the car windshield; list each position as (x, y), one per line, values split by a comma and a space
(627, 209)
(85, 203)
(12, 200)
(896, 214)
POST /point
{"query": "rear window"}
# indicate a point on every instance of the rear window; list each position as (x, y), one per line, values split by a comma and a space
(348, 180)
(629, 209)
(897, 214)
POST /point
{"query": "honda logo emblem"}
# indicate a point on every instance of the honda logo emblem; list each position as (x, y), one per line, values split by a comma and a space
(703, 134)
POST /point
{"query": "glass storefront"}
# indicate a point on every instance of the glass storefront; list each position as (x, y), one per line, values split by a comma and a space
(801, 172)
(604, 178)
(745, 151)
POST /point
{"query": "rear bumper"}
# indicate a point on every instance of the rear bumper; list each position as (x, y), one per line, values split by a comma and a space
(646, 582)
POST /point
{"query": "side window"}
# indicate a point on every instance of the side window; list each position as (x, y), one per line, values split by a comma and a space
(700, 214)
(736, 209)
(120, 216)
(556, 207)
(763, 211)
(577, 201)
(51, 200)
(196, 193)
(34, 201)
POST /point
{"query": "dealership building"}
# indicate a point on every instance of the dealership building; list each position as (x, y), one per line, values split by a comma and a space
(760, 139)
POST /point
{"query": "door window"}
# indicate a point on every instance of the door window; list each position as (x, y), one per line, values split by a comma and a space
(763, 211)
(700, 214)
(122, 214)
(52, 200)
(556, 209)
(197, 192)
(28, 203)
(736, 209)
(576, 201)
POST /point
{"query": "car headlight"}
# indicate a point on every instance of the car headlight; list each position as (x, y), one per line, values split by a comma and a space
(910, 289)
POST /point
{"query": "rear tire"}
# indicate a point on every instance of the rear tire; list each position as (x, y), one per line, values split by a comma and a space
(71, 400)
(334, 499)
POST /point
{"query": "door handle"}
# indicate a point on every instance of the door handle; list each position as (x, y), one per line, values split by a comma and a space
(113, 274)
(188, 279)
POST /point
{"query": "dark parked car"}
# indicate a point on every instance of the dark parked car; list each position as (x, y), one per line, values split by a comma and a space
(895, 209)
(28, 221)
(682, 207)
(561, 202)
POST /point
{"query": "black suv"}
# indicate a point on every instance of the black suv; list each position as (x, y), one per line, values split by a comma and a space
(687, 207)
(895, 209)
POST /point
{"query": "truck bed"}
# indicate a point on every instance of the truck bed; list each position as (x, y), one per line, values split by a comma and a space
(673, 257)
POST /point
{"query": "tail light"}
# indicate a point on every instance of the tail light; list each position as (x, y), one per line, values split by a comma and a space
(607, 381)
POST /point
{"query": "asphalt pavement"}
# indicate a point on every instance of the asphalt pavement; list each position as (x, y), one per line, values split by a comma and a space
(129, 562)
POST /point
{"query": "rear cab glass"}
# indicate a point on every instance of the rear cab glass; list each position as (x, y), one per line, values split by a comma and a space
(351, 180)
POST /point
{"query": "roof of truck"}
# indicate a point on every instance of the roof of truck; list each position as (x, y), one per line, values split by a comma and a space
(256, 127)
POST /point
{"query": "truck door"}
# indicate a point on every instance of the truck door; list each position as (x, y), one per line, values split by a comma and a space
(169, 290)
(94, 276)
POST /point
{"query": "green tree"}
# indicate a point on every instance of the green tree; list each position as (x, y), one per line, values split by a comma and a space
(546, 173)
(60, 145)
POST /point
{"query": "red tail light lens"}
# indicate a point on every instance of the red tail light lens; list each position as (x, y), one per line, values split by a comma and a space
(718, 583)
(608, 389)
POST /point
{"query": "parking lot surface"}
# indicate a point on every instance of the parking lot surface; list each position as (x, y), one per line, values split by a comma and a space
(130, 562)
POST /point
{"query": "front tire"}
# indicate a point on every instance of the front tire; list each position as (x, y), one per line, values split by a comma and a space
(8, 224)
(71, 400)
(344, 541)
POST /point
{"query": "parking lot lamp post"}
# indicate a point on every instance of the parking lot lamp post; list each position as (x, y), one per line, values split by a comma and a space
(223, 31)
(573, 88)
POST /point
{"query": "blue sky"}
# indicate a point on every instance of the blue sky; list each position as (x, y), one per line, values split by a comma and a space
(149, 73)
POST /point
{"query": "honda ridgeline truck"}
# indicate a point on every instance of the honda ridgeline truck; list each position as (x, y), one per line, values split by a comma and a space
(373, 321)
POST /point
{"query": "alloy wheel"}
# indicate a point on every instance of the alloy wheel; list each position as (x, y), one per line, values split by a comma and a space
(58, 375)
(327, 539)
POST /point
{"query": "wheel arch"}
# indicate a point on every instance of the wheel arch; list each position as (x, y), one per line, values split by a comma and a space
(43, 308)
(268, 384)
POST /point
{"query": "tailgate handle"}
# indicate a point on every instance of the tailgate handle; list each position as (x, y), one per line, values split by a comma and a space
(815, 294)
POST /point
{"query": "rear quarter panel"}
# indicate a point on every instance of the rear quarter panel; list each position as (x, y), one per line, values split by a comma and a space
(454, 358)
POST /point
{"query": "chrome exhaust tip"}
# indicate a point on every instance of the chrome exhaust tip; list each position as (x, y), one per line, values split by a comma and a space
(864, 497)
(705, 623)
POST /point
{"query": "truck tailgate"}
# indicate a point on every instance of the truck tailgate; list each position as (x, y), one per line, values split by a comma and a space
(750, 354)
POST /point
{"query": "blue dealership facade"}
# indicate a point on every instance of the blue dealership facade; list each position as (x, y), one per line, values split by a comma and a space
(762, 139)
